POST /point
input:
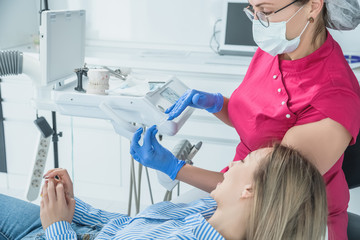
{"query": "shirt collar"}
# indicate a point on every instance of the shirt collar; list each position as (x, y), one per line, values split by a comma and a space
(205, 231)
(303, 63)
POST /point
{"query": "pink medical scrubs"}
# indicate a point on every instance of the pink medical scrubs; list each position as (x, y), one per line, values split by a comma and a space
(276, 95)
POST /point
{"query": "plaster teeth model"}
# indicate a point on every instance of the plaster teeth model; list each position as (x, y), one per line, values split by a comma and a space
(98, 81)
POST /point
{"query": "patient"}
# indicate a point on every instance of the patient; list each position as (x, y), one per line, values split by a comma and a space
(274, 193)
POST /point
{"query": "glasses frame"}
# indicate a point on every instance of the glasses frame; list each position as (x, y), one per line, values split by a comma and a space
(263, 18)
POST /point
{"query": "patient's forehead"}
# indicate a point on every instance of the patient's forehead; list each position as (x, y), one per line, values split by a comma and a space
(260, 153)
(253, 158)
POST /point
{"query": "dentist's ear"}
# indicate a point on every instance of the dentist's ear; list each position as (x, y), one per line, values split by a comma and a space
(316, 7)
(247, 192)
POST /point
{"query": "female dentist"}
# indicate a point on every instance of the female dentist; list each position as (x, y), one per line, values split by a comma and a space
(298, 90)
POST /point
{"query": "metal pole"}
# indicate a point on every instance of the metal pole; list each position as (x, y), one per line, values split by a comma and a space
(55, 140)
(139, 189)
(149, 185)
(131, 186)
(133, 176)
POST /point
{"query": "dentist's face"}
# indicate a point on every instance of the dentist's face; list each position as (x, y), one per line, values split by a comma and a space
(295, 25)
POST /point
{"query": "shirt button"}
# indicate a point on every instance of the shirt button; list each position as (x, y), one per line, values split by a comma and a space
(279, 90)
(287, 115)
(283, 102)
(275, 76)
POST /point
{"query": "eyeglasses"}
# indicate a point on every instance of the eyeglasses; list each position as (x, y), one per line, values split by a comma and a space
(263, 17)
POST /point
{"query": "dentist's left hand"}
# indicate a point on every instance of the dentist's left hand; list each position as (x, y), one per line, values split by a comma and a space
(152, 154)
(55, 206)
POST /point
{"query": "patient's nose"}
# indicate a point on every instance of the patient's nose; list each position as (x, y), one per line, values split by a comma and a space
(233, 163)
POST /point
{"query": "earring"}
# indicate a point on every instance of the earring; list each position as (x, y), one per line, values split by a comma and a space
(311, 20)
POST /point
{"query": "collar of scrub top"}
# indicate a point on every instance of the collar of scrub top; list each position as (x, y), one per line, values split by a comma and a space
(352, 58)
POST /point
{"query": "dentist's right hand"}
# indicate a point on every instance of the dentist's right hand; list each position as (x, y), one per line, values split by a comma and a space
(211, 102)
(152, 154)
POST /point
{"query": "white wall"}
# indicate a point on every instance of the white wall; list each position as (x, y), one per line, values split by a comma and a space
(166, 23)
(18, 22)
(169, 22)
(159, 23)
(348, 40)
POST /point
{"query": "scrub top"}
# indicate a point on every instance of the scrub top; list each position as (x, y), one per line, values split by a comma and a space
(276, 95)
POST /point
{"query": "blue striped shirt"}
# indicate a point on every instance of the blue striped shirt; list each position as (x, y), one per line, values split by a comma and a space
(164, 220)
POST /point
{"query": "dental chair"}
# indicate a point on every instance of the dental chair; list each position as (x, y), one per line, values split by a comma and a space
(351, 168)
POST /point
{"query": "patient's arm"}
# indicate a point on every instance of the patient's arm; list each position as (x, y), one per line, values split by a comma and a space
(204, 179)
(87, 215)
(56, 211)
(55, 206)
(84, 213)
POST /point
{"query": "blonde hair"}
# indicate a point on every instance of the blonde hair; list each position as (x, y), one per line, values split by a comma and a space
(289, 198)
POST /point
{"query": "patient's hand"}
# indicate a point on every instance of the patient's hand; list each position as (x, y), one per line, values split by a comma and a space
(55, 206)
(64, 178)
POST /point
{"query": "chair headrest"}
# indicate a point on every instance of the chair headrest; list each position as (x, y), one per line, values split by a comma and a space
(351, 164)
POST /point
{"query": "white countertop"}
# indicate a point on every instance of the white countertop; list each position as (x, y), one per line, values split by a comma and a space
(179, 61)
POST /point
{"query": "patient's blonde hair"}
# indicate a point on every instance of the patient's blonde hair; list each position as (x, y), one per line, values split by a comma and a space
(289, 198)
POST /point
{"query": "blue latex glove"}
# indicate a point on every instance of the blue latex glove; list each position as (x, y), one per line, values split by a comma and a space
(211, 102)
(151, 154)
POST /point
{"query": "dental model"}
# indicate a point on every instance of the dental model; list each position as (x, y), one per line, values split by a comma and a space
(98, 81)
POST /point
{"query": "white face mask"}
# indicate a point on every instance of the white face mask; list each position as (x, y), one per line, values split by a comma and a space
(273, 39)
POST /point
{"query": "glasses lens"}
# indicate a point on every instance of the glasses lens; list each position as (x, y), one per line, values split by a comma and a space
(249, 14)
(263, 19)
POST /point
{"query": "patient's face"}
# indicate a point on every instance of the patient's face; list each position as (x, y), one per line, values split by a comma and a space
(238, 178)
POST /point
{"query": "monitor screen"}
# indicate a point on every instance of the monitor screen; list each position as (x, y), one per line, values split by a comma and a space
(62, 44)
(236, 33)
(238, 26)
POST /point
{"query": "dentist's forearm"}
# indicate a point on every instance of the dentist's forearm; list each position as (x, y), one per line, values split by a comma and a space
(204, 179)
(223, 115)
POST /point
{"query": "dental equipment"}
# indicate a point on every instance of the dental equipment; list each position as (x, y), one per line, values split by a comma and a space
(141, 100)
(80, 72)
(125, 108)
(182, 151)
(117, 73)
(62, 41)
(16, 62)
(192, 152)
(62, 45)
